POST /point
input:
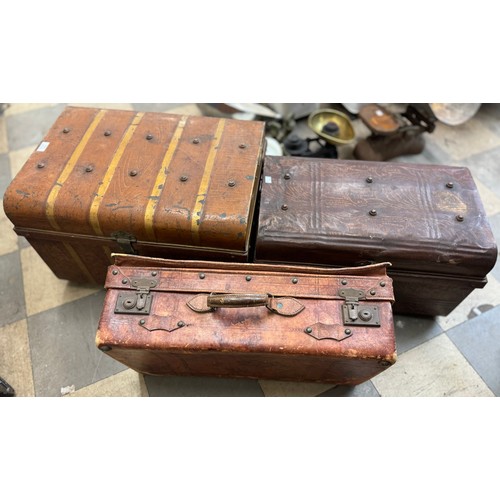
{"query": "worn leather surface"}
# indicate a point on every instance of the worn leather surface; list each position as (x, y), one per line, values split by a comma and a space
(249, 341)
(348, 213)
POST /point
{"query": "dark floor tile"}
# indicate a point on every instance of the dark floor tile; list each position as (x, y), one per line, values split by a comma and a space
(63, 350)
(158, 108)
(479, 341)
(365, 390)
(412, 331)
(12, 305)
(5, 175)
(179, 386)
(30, 127)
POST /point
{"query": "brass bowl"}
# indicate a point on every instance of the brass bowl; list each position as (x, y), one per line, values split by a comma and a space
(332, 125)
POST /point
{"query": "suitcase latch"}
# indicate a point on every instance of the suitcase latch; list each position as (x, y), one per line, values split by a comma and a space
(125, 241)
(355, 313)
(138, 302)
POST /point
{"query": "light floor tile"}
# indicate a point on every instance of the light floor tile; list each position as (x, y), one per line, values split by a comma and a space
(465, 140)
(108, 105)
(16, 108)
(434, 369)
(276, 388)
(4, 144)
(490, 294)
(19, 157)
(491, 201)
(15, 359)
(187, 109)
(8, 238)
(124, 384)
(42, 289)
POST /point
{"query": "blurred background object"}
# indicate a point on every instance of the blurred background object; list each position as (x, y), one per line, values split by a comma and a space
(394, 134)
(454, 114)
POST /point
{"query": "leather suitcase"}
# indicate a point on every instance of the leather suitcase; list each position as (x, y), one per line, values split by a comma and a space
(165, 317)
(156, 184)
(427, 220)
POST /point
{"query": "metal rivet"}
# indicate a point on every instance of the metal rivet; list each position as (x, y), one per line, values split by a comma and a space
(202, 276)
(295, 281)
(372, 292)
(449, 185)
(284, 207)
(308, 329)
(41, 165)
(65, 130)
(149, 137)
(287, 176)
(181, 324)
(107, 133)
(369, 180)
(115, 272)
(196, 141)
(347, 331)
(231, 184)
(124, 281)
(242, 146)
(248, 278)
(183, 178)
(154, 273)
(460, 218)
(105, 348)
(142, 321)
(344, 282)
(133, 173)
(373, 212)
(89, 168)
(382, 283)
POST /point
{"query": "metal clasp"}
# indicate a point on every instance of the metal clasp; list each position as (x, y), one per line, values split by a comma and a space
(353, 313)
(125, 241)
(138, 302)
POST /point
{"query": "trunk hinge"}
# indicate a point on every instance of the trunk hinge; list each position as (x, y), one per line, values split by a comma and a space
(125, 241)
(138, 302)
(355, 313)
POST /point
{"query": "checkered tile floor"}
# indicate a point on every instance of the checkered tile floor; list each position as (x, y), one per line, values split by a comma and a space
(47, 326)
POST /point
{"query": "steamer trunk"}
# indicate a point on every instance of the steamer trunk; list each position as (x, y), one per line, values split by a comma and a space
(156, 184)
(427, 220)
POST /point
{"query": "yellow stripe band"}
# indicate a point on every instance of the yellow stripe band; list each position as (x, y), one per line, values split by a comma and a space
(202, 192)
(161, 177)
(51, 200)
(79, 263)
(96, 203)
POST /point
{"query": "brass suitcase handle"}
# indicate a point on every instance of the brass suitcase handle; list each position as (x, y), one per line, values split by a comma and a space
(238, 300)
(284, 306)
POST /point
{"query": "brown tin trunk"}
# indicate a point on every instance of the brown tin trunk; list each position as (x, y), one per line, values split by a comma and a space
(427, 220)
(158, 184)
(300, 323)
